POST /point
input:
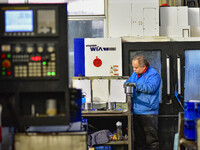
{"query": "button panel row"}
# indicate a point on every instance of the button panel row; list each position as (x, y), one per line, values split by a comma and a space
(28, 61)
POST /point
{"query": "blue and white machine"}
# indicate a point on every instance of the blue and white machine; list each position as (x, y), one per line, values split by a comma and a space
(98, 57)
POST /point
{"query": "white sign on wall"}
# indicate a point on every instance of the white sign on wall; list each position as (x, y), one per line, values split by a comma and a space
(103, 57)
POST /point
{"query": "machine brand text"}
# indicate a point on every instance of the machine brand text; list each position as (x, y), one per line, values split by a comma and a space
(99, 48)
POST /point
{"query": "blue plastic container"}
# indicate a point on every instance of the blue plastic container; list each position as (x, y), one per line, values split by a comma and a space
(85, 124)
(197, 110)
(83, 100)
(190, 129)
(189, 111)
(103, 148)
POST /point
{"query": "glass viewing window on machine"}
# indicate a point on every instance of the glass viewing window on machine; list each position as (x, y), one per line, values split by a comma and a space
(192, 72)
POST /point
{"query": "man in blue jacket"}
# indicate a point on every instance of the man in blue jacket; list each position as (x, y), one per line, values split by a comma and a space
(145, 104)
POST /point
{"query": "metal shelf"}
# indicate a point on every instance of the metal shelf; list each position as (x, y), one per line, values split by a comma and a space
(117, 143)
(115, 113)
(104, 113)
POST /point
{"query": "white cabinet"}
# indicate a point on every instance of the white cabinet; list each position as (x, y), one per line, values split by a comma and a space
(149, 27)
(174, 16)
(133, 18)
(194, 21)
(174, 21)
(145, 18)
(119, 18)
(194, 17)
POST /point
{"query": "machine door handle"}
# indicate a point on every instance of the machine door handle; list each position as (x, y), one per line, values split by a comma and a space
(179, 73)
(168, 74)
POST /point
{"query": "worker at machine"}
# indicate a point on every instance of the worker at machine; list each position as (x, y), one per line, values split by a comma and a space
(145, 104)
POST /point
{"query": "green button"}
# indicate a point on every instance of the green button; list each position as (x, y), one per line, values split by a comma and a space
(53, 73)
(8, 55)
(44, 62)
(3, 68)
(3, 73)
(48, 73)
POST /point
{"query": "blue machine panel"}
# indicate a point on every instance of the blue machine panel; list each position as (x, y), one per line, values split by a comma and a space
(79, 57)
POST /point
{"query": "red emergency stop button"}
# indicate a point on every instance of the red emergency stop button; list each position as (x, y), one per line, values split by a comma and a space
(6, 63)
(97, 62)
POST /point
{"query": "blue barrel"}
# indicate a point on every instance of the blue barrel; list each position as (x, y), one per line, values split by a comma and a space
(197, 110)
(190, 129)
(189, 111)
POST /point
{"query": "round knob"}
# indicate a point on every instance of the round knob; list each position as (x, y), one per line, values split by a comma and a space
(29, 49)
(40, 49)
(18, 49)
(6, 63)
(50, 49)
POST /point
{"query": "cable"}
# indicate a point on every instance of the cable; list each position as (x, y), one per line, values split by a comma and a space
(176, 95)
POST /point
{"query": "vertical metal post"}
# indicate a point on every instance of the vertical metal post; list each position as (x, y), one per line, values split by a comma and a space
(130, 131)
(198, 134)
(129, 91)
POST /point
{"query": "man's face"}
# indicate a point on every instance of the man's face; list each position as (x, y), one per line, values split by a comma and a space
(136, 67)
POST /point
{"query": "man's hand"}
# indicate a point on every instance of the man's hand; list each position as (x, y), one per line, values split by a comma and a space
(130, 84)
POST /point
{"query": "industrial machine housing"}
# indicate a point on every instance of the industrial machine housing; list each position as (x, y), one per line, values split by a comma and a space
(34, 64)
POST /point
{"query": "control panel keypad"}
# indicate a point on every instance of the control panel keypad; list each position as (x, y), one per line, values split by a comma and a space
(28, 61)
(20, 71)
(50, 69)
(34, 69)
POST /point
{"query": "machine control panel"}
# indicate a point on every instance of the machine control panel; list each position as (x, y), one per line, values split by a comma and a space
(32, 60)
(33, 64)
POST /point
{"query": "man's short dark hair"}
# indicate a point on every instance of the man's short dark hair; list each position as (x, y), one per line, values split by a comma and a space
(141, 60)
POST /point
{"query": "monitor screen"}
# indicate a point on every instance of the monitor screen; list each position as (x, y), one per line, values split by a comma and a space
(18, 20)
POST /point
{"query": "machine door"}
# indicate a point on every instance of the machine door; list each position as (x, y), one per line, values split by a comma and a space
(179, 66)
(160, 56)
(187, 68)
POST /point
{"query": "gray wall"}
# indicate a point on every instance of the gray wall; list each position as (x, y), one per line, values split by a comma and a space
(4, 1)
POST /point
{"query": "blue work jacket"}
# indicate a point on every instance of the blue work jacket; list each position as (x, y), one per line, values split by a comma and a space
(145, 99)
